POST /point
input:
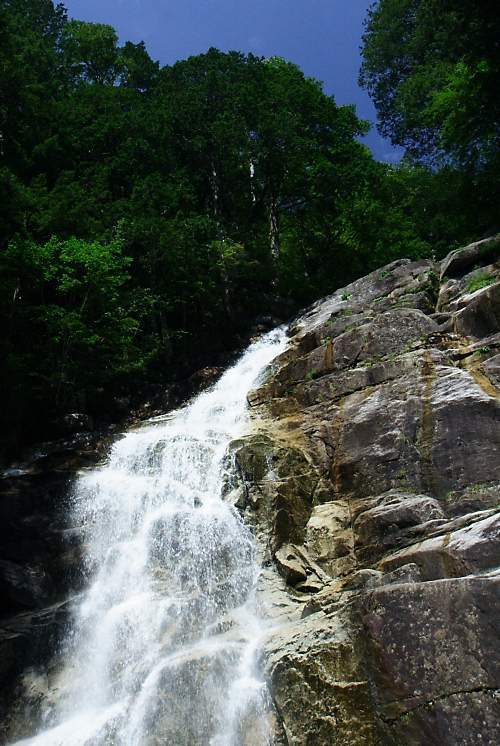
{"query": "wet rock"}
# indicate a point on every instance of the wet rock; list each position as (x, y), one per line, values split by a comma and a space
(40, 565)
(27, 641)
(204, 378)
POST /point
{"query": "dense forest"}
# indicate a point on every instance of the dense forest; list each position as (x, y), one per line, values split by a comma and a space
(149, 214)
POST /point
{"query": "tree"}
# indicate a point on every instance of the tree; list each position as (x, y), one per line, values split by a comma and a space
(69, 323)
(29, 77)
(137, 69)
(148, 215)
(91, 52)
(432, 68)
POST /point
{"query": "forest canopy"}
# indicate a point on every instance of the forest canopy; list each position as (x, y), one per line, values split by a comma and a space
(149, 214)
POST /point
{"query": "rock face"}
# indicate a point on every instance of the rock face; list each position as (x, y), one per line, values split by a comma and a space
(372, 481)
(40, 565)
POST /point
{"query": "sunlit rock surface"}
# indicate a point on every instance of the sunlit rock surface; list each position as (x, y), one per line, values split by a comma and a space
(380, 429)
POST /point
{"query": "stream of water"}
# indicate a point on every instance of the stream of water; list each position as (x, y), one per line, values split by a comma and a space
(163, 645)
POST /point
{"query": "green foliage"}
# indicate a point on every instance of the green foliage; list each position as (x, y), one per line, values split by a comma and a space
(432, 67)
(483, 350)
(90, 52)
(480, 281)
(148, 215)
(71, 323)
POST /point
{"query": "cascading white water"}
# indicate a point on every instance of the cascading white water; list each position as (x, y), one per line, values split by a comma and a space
(163, 645)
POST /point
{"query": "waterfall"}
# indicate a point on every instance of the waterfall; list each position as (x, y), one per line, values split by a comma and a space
(163, 645)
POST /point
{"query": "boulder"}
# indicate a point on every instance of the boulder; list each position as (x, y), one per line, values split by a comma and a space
(329, 539)
(379, 527)
(481, 315)
(480, 252)
(204, 378)
(279, 485)
(318, 683)
(290, 565)
(472, 549)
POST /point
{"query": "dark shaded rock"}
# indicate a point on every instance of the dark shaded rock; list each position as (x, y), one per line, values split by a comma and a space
(204, 378)
(22, 586)
(27, 640)
(74, 422)
(480, 252)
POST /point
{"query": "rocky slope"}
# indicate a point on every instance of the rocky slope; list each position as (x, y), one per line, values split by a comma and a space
(372, 479)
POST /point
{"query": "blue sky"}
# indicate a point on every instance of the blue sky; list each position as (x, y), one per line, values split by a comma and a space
(321, 36)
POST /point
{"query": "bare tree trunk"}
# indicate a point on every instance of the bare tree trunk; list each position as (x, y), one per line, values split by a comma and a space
(226, 288)
(274, 236)
(214, 188)
(252, 182)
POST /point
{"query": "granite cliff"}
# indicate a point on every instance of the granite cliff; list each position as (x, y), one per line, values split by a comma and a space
(372, 480)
